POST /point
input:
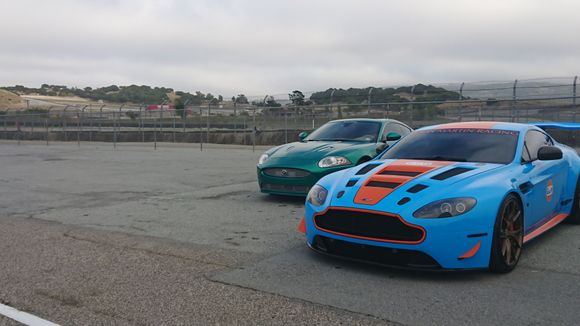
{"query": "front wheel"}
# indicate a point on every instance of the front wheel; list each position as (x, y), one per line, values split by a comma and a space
(508, 236)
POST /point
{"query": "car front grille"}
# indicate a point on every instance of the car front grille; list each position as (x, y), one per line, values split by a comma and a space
(369, 225)
(286, 173)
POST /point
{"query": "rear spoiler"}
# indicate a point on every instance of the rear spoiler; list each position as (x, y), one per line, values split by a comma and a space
(557, 125)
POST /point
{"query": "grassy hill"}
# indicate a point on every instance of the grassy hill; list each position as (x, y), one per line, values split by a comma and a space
(9, 99)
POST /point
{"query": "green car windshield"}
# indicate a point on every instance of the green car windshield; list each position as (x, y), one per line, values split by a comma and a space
(358, 131)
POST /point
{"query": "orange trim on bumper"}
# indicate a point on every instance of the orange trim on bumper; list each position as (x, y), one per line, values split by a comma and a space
(302, 226)
(471, 252)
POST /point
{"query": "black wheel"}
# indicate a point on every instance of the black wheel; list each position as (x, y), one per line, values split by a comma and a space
(508, 236)
(574, 217)
(363, 159)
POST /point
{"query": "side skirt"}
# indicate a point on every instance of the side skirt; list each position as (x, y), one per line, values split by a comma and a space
(545, 226)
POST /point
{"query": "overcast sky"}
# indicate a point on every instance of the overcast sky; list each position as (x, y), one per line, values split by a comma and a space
(272, 47)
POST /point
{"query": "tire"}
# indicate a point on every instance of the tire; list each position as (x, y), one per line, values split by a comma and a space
(363, 160)
(574, 217)
(508, 236)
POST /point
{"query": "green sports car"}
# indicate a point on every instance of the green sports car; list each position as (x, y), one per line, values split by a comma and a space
(291, 169)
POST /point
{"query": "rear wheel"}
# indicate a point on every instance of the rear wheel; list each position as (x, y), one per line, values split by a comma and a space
(574, 217)
(508, 236)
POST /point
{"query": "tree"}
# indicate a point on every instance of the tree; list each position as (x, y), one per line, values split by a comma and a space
(180, 108)
(242, 99)
(297, 98)
(220, 98)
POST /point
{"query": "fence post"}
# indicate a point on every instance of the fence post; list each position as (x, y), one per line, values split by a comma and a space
(461, 101)
(46, 125)
(90, 123)
(78, 130)
(200, 130)
(515, 114)
(369, 102)
(161, 117)
(574, 96)
(412, 99)
(174, 127)
(254, 132)
(155, 133)
(141, 123)
(6, 124)
(101, 116)
(208, 122)
(285, 125)
(64, 123)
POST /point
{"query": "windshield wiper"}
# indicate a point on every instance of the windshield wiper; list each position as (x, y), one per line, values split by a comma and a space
(439, 158)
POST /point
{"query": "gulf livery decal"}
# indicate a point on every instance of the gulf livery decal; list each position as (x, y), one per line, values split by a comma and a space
(394, 175)
(549, 190)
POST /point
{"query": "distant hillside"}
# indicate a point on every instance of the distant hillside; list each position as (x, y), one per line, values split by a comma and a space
(9, 99)
(384, 95)
(116, 94)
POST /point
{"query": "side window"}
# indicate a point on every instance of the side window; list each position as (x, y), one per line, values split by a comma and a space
(532, 143)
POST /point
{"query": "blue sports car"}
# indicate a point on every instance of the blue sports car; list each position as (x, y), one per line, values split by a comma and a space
(453, 196)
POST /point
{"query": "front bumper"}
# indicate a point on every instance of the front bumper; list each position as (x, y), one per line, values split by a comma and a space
(291, 186)
(444, 245)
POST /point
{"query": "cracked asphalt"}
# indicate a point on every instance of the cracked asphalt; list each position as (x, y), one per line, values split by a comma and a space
(175, 236)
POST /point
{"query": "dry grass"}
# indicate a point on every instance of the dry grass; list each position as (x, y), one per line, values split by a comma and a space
(9, 99)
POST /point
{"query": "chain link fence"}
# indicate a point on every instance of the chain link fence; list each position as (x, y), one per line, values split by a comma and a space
(517, 101)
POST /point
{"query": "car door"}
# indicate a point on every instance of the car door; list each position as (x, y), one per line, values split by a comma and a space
(543, 180)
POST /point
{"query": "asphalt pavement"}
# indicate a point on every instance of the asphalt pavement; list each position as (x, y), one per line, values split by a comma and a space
(179, 236)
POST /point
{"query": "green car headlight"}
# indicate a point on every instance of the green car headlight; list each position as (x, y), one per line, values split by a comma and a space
(446, 208)
(317, 195)
(263, 158)
(331, 161)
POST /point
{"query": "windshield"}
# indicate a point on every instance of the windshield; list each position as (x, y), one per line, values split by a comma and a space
(362, 131)
(460, 145)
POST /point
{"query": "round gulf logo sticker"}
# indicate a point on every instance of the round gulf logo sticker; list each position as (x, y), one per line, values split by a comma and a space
(549, 190)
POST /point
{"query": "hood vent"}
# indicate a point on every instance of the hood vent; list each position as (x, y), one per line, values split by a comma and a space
(383, 184)
(416, 188)
(351, 182)
(403, 201)
(367, 168)
(401, 173)
(450, 173)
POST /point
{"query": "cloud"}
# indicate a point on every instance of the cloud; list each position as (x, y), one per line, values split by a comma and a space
(255, 47)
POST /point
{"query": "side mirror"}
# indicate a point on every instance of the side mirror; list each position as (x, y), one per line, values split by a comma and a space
(381, 148)
(549, 153)
(302, 135)
(391, 136)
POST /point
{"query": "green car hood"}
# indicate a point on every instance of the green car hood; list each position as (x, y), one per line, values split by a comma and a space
(307, 154)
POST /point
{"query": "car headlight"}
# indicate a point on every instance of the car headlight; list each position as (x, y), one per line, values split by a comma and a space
(446, 208)
(263, 158)
(331, 161)
(317, 195)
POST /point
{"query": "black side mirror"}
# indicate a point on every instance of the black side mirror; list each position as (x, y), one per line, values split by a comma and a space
(302, 135)
(549, 153)
(381, 148)
(392, 136)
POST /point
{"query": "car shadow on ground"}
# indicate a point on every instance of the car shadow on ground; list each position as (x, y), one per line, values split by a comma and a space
(278, 199)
